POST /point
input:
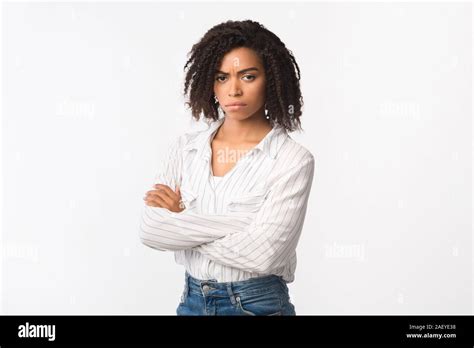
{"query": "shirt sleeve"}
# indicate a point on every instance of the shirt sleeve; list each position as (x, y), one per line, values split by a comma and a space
(274, 233)
(165, 230)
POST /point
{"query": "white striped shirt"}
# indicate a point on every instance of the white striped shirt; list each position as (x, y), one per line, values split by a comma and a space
(245, 224)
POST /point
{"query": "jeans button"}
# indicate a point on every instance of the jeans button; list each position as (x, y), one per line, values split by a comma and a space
(205, 288)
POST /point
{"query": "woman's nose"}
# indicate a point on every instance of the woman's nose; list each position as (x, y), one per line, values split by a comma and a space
(234, 88)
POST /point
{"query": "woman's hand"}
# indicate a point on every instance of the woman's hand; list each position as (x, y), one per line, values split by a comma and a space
(164, 197)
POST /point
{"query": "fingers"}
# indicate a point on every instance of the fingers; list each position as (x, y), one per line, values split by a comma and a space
(169, 192)
(162, 197)
(153, 204)
(155, 200)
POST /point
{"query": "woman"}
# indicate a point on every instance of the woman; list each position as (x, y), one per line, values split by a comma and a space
(231, 199)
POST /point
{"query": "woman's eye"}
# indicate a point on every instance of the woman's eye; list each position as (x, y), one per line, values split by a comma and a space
(222, 78)
(252, 77)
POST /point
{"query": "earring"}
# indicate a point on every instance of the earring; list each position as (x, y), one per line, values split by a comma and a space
(266, 112)
(215, 99)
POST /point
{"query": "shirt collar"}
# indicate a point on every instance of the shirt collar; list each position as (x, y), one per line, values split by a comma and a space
(270, 144)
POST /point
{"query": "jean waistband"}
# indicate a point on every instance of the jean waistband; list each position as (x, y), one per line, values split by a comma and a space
(241, 286)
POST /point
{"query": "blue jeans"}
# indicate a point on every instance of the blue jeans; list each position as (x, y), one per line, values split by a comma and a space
(267, 295)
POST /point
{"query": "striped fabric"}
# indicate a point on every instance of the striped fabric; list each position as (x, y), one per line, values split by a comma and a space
(243, 225)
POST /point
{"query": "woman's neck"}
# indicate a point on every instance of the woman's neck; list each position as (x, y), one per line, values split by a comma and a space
(250, 130)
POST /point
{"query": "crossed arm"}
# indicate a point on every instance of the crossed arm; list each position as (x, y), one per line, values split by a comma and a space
(256, 244)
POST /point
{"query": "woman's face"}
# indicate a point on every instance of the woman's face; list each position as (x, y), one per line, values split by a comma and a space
(241, 79)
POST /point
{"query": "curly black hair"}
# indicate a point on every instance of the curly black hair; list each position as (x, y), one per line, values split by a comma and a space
(282, 90)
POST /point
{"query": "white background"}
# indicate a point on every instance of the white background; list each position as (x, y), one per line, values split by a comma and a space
(92, 96)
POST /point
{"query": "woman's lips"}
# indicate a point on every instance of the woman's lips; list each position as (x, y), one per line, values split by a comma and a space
(236, 107)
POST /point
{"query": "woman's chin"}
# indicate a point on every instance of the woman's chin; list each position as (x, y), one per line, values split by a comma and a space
(237, 114)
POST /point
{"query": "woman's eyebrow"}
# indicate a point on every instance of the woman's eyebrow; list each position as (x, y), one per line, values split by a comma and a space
(238, 72)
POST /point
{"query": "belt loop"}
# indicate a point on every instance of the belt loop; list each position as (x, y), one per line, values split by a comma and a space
(231, 293)
(186, 283)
